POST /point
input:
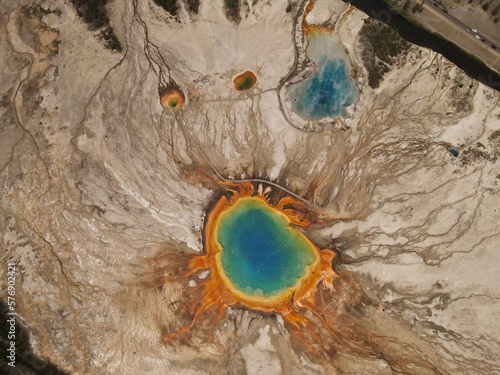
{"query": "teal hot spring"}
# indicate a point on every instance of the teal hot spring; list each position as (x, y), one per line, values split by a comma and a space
(329, 90)
(261, 253)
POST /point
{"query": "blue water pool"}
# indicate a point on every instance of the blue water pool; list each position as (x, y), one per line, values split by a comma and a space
(330, 88)
(262, 254)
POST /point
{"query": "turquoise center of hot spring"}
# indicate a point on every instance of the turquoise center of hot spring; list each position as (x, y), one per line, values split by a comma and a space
(261, 254)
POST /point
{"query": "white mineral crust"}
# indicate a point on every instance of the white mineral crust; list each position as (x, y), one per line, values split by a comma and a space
(97, 179)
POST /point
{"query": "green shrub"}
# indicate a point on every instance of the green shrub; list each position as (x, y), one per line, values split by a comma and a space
(193, 5)
(381, 47)
(170, 6)
(232, 8)
(94, 13)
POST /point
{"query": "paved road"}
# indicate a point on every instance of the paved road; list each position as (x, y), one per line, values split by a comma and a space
(480, 37)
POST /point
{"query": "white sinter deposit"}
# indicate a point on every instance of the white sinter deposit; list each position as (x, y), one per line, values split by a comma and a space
(98, 182)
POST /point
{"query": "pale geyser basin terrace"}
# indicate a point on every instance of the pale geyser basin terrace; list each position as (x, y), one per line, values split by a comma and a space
(120, 167)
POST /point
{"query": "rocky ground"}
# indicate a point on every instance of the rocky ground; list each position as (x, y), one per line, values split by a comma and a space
(480, 15)
(99, 181)
(483, 15)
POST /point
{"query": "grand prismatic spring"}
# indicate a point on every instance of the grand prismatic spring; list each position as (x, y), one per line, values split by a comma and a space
(256, 259)
(261, 255)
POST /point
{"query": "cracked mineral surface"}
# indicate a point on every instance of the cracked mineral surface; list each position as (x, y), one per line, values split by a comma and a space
(104, 190)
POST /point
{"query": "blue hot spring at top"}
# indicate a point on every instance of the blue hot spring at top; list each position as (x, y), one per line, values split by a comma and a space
(330, 88)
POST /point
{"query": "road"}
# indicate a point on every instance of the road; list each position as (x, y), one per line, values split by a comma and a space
(474, 33)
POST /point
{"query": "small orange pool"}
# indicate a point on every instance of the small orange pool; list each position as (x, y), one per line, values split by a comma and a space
(245, 81)
(172, 99)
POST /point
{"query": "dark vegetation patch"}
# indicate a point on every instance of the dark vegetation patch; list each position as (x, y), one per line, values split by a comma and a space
(110, 40)
(94, 13)
(494, 138)
(192, 5)
(171, 6)
(27, 363)
(461, 92)
(479, 153)
(382, 46)
(232, 9)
